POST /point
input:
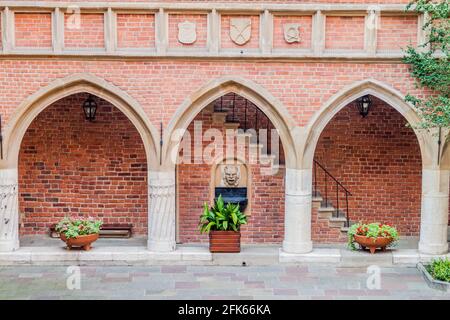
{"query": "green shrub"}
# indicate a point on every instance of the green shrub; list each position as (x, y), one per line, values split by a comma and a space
(440, 269)
(371, 230)
(73, 228)
(221, 217)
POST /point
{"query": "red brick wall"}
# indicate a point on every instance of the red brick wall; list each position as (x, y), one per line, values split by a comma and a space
(69, 166)
(135, 30)
(266, 192)
(344, 32)
(378, 159)
(33, 29)
(89, 34)
(396, 33)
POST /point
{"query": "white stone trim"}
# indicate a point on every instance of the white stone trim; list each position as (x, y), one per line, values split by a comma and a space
(371, 25)
(213, 39)
(213, 10)
(161, 36)
(110, 25)
(318, 33)
(57, 31)
(8, 33)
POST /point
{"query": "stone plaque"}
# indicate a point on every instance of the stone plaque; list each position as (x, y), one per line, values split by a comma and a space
(240, 30)
(187, 33)
(291, 32)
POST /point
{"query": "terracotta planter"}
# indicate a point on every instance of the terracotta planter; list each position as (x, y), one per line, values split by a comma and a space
(81, 241)
(224, 241)
(373, 243)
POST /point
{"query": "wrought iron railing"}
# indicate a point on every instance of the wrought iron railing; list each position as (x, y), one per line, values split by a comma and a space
(336, 185)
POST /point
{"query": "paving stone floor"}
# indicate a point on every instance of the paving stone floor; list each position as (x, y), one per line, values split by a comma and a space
(213, 282)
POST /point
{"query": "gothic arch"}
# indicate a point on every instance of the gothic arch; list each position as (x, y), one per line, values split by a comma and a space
(251, 91)
(350, 93)
(78, 83)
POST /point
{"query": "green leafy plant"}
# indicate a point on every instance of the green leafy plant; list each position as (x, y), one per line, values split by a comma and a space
(371, 230)
(221, 217)
(440, 269)
(430, 66)
(73, 228)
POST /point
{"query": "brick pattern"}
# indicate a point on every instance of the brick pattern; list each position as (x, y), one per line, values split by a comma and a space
(135, 30)
(33, 30)
(88, 33)
(266, 193)
(69, 166)
(201, 21)
(305, 32)
(396, 33)
(344, 32)
(226, 41)
(302, 87)
(378, 160)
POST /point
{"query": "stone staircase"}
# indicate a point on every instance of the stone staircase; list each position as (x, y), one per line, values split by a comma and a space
(336, 219)
(257, 150)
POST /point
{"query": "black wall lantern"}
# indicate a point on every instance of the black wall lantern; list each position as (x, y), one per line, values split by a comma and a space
(90, 108)
(364, 105)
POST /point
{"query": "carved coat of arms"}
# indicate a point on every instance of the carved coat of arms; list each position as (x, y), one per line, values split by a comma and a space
(291, 32)
(187, 33)
(240, 30)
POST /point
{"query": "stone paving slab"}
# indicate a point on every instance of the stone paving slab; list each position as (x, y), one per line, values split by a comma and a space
(312, 282)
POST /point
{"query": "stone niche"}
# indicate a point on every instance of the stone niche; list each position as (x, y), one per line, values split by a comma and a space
(231, 178)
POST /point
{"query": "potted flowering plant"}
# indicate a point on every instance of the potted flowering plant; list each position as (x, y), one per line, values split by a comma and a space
(78, 232)
(222, 222)
(372, 236)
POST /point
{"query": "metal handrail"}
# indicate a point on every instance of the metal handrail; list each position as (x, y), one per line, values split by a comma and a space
(338, 184)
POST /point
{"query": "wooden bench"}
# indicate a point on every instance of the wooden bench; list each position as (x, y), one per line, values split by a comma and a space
(108, 230)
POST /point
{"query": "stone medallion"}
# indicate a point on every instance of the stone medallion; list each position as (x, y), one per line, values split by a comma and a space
(291, 32)
(187, 33)
(240, 30)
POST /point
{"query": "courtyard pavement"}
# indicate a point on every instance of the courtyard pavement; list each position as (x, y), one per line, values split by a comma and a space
(214, 282)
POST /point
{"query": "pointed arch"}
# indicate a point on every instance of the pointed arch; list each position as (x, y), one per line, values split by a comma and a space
(78, 83)
(350, 93)
(213, 90)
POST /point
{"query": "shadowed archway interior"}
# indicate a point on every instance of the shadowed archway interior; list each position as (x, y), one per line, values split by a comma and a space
(71, 166)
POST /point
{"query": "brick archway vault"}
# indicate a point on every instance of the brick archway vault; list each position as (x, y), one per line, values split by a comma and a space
(27, 112)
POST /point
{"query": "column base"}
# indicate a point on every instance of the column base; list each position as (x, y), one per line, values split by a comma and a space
(9, 245)
(161, 246)
(297, 247)
(435, 249)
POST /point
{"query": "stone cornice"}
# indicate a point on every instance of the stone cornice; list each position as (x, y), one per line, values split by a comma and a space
(266, 51)
(190, 6)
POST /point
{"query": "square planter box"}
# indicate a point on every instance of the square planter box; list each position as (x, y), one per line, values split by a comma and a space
(432, 283)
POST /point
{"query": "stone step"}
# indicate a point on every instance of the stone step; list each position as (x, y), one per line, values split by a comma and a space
(231, 125)
(219, 117)
(337, 222)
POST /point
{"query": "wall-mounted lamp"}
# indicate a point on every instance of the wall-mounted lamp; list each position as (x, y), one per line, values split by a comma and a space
(364, 105)
(90, 108)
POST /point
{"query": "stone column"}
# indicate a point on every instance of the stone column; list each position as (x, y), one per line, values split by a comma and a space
(434, 215)
(9, 210)
(298, 203)
(161, 233)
